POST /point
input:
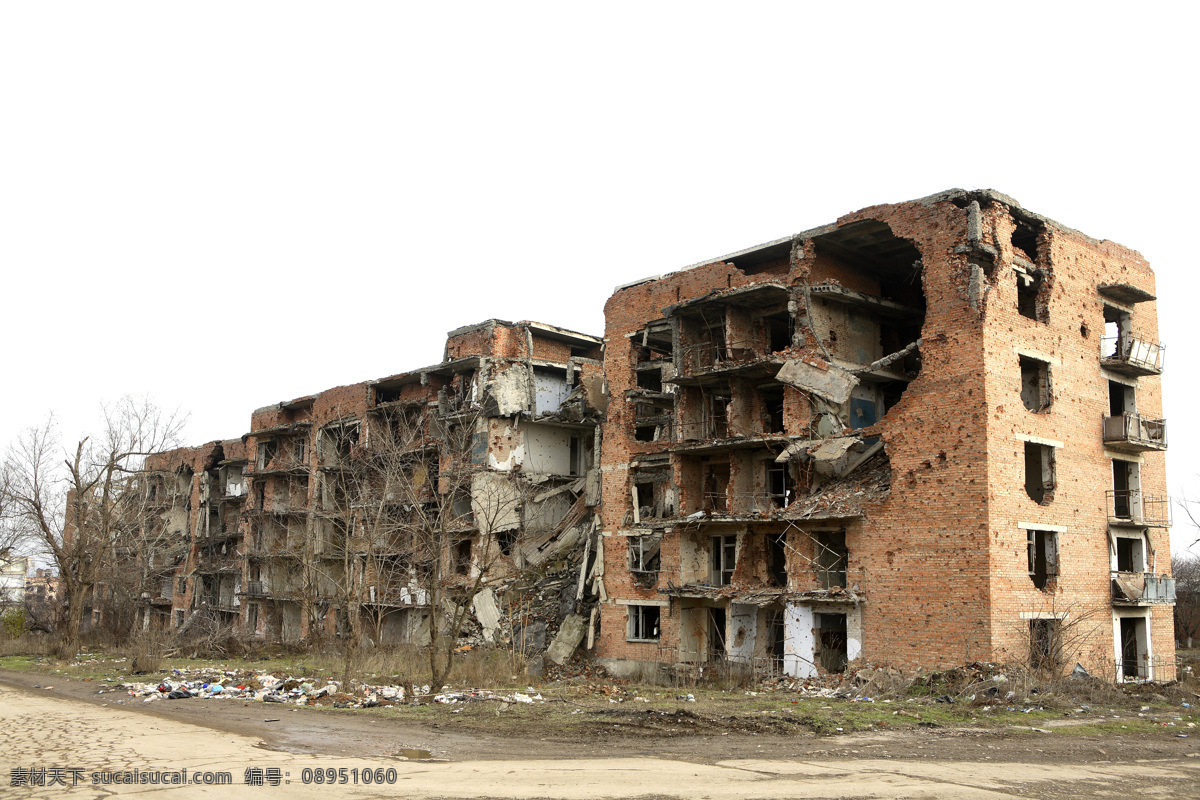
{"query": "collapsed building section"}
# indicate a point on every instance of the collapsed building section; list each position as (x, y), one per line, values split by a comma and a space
(463, 489)
(845, 444)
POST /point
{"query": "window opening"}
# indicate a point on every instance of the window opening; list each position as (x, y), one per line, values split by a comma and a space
(716, 484)
(1126, 489)
(1129, 555)
(1045, 646)
(650, 379)
(643, 623)
(1118, 328)
(717, 646)
(1039, 472)
(775, 640)
(777, 558)
(780, 487)
(832, 641)
(1028, 287)
(506, 540)
(717, 422)
(779, 331)
(724, 559)
(713, 352)
(1035, 383)
(772, 409)
(266, 453)
(1043, 559)
(832, 557)
(1133, 645)
(644, 553)
(462, 557)
(1119, 399)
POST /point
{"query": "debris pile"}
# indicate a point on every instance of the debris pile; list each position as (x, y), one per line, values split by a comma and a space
(266, 687)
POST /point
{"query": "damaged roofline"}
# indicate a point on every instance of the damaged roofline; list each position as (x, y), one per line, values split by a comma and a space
(553, 331)
(948, 195)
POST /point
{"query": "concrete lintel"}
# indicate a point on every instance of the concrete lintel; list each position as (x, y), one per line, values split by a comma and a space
(1041, 526)
(1028, 437)
(617, 601)
(1038, 354)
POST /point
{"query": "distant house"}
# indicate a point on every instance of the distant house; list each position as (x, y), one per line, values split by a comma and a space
(12, 580)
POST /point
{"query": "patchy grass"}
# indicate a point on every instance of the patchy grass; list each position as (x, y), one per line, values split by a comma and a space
(583, 711)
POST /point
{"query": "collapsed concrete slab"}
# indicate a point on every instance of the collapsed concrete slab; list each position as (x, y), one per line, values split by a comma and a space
(832, 383)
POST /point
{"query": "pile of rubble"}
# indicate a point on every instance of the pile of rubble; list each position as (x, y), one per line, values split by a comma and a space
(266, 687)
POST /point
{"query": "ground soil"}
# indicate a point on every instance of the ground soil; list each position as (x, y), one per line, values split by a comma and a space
(565, 728)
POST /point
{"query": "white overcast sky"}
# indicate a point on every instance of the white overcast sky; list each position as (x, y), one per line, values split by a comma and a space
(224, 205)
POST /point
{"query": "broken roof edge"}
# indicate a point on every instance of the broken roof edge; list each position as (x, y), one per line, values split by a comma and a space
(544, 327)
(947, 195)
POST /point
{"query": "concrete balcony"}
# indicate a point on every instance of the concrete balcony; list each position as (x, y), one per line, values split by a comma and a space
(1142, 588)
(1134, 433)
(1131, 507)
(1131, 356)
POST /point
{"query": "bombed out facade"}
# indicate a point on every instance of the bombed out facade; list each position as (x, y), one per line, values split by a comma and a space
(318, 522)
(927, 434)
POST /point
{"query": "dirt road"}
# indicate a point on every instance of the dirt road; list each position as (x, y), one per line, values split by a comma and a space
(45, 729)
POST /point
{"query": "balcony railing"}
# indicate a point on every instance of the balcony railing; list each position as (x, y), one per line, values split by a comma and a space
(1160, 670)
(745, 502)
(1142, 587)
(718, 355)
(1132, 507)
(1135, 433)
(1131, 356)
(256, 589)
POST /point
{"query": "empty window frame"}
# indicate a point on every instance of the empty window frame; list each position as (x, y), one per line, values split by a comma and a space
(299, 450)
(1039, 472)
(338, 441)
(644, 553)
(266, 453)
(1131, 554)
(1127, 485)
(1122, 399)
(1043, 559)
(831, 558)
(777, 558)
(780, 486)
(654, 343)
(1118, 328)
(1035, 383)
(643, 623)
(712, 351)
(651, 493)
(724, 559)
(577, 455)
(462, 557)
(1029, 288)
(778, 329)
(716, 418)
(1045, 644)
(832, 642)
(772, 408)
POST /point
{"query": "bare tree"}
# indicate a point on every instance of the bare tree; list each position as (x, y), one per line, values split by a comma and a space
(83, 505)
(415, 526)
(1186, 569)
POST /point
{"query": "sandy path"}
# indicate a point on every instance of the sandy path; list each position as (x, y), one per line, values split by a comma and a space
(42, 732)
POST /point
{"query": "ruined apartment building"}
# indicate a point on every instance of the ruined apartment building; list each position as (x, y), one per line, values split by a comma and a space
(927, 434)
(270, 534)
